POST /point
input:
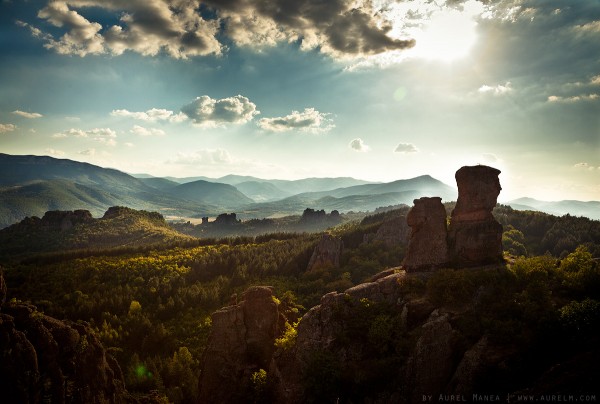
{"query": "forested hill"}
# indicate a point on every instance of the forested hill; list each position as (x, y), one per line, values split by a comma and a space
(120, 227)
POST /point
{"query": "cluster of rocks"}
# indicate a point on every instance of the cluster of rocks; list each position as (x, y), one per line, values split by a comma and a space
(473, 236)
(311, 215)
(43, 359)
(242, 342)
(56, 220)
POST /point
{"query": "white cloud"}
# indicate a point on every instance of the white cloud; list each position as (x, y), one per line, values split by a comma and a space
(358, 145)
(206, 111)
(309, 120)
(55, 153)
(29, 115)
(103, 135)
(7, 127)
(575, 98)
(491, 158)
(141, 131)
(595, 80)
(586, 166)
(405, 148)
(152, 115)
(496, 90)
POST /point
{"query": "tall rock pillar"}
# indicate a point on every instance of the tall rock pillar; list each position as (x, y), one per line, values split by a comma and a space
(427, 247)
(474, 236)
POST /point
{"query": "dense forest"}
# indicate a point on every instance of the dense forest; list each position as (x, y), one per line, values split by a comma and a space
(151, 305)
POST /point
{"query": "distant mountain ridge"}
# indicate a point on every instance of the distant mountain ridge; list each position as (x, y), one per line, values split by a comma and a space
(590, 209)
(32, 185)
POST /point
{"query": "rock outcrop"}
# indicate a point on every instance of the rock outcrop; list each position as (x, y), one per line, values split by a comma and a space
(42, 358)
(474, 236)
(427, 248)
(65, 220)
(326, 338)
(327, 253)
(241, 342)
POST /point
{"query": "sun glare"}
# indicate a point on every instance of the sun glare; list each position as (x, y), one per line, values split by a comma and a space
(444, 34)
(450, 35)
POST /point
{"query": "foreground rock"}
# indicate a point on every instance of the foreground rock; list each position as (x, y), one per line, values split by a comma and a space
(45, 359)
(474, 236)
(242, 342)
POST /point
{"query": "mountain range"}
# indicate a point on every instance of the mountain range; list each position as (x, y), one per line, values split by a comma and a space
(32, 185)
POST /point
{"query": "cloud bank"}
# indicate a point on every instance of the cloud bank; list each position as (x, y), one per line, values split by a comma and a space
(7, 127)
(141, 131)
(183, 29)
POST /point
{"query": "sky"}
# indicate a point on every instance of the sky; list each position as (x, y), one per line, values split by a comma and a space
(378, 90)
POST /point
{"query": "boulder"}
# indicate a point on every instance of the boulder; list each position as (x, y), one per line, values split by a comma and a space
(427, 248)
(474, 236)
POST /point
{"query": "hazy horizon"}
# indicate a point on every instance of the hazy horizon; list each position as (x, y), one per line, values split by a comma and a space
(171, 88)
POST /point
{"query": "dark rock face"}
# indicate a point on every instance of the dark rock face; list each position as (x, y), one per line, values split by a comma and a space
(326, 253)
(226, 219)
(427, 248)
(42, 357)
(65, 220)
(320, 330)
(474, 236)
(435, 346)
(241, 342)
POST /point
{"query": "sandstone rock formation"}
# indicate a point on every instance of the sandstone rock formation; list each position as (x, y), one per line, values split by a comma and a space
(43, 358)
(427, 248)
(474, 236)
(241, 342)
(326, 253)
